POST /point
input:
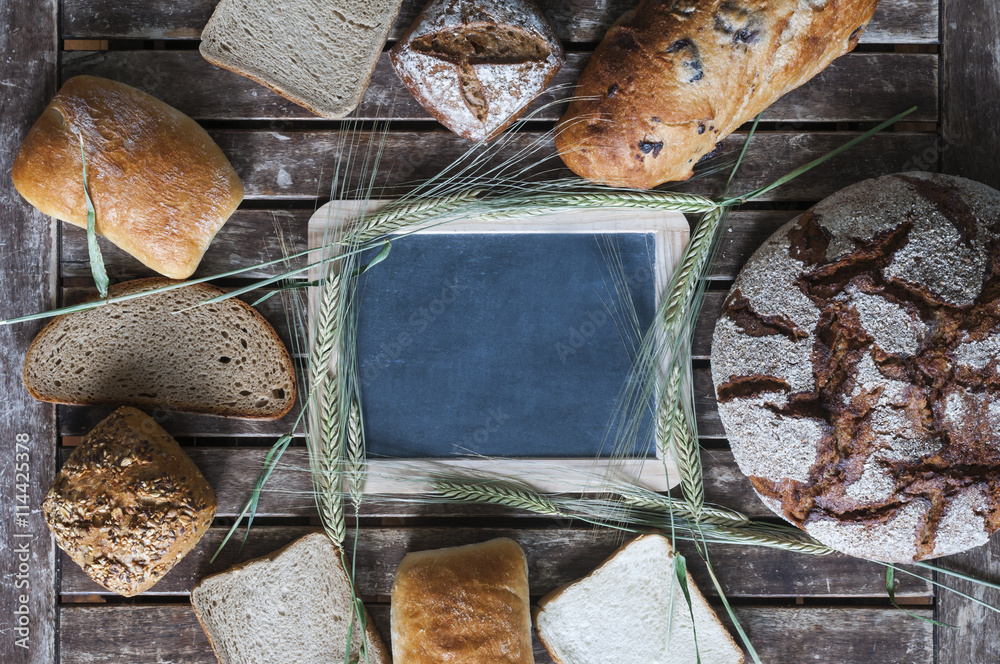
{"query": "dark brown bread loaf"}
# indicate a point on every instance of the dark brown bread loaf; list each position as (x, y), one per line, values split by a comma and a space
(128, 504)
(857, 368)
(673, 78)
(475, 65)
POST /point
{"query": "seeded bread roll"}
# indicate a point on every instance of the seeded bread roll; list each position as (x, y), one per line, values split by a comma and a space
(128, 504)
(475, 65)
(857, 368)
(464, 604)
(672, 79)
(160, 186)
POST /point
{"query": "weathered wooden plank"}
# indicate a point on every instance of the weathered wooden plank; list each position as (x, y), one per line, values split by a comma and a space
(78, 420)
(969, 145)
(555, 556)
(300, 164)
(124, 634)
(28, 79)
(232, 471)
(185, 80)
(896, 21)
(970, 55)
(252, 236)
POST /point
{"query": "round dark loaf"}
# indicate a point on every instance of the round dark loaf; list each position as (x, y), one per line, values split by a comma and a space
(856, 368)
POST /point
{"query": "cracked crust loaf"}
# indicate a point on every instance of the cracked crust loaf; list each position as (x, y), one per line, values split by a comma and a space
(857, 368)
(671, 79)
(128, 504)
(475, 65)
(164, 350)
(160, 185)
(465, 604)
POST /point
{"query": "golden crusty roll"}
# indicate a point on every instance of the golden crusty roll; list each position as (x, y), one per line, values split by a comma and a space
(160, 185)
(672, 79)
(466, 604)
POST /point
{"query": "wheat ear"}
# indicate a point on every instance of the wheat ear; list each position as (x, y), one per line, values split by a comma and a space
(355, 454)
(496, 493)
(712, 514)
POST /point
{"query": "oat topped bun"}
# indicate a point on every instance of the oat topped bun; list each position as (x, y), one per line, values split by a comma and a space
(856, 368)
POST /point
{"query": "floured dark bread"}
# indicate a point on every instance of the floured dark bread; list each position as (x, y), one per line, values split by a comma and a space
(856, 368)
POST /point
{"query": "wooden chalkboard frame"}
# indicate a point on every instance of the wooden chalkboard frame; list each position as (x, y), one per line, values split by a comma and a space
(670, 231)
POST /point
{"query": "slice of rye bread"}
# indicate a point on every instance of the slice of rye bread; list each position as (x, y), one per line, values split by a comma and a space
(319, 54)
(163, 351)
(621, 612)
(291, 606)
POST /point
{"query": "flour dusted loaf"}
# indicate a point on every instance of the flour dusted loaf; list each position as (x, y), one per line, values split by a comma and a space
(856, 368)
(632, 609)
(319, 54)
(475, 65)
(292, 606)
(128, 504)
(672, 79)
(464, 604)
(160, 185)
(164, 350)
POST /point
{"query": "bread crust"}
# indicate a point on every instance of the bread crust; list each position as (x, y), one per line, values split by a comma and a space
(670, 80)
(128, 504)
(381, 654)
(467, 603)
(436, 81)
(150, 283)
(160, 186)
(856, 367)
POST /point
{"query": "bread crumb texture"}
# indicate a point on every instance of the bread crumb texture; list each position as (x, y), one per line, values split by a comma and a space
(128, 504)
(856, 368)
(632, 609)
(165, 350)
(319, 54)
(292, 606)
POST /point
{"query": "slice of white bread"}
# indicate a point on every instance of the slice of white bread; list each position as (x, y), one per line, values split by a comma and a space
(621, 612)
(291, 606)
(320, 54)
(218, 359)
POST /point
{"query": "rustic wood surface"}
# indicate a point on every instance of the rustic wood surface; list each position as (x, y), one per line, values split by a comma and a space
(795, 608)
(28, 75)
(555, 556)
(969, 146)
(896, 21)
(893, 82)
(845, 636)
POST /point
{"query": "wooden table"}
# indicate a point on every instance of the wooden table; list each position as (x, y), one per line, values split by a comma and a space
(944, 57)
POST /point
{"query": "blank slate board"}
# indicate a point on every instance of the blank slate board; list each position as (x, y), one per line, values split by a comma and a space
(501, 345)
(508, 339)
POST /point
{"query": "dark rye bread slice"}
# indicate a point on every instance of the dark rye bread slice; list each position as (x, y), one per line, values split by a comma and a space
(217, 359)
(857, 368)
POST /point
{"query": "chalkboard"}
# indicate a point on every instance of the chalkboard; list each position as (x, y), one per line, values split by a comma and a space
(510, 345)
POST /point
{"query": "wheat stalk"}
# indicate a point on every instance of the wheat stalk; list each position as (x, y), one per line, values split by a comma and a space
(355, 454)
(496, 493)
(673, 436)
(711, 514)
(788, 542)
